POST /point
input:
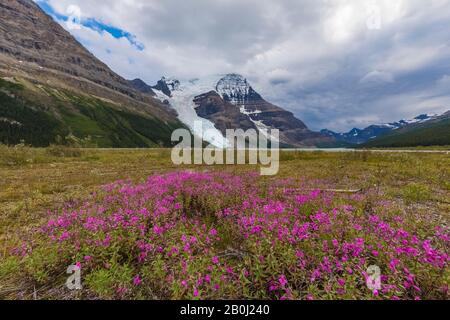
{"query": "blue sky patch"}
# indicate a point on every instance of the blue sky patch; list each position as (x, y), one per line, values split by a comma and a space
(93, 24)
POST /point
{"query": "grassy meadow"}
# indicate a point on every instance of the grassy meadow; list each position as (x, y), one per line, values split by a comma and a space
(201, 232)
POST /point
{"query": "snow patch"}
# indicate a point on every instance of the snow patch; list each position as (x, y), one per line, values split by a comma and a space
(264, 129)
(172, 83)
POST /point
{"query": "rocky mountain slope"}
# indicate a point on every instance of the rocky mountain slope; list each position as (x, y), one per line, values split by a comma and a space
(229, 102)
(47, 74)
(141, 86)
(167, 86)
(223, 114)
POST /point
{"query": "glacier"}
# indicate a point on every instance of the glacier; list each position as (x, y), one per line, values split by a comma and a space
(182, 100)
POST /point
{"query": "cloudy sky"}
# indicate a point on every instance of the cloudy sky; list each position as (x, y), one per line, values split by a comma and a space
(336, 64)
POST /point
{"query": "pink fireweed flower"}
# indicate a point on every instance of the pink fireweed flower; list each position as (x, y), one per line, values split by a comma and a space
(273, 287)
(158, 230)
(393, 264)
(174, 251)
(121, 291)
(300, 255)
(302, 199)
(137, 280)
(335, 243)
(256, 230)
(325, 245)
(274, 219)
(64, 236)
(315, 275)
(283, 281)
(326, 265)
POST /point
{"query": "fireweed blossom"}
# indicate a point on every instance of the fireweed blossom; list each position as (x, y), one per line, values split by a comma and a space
(219, 235)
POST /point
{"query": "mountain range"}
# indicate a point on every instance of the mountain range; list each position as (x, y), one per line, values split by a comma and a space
(230, 102)
(432, 131)
(371, 133)
(52, 87)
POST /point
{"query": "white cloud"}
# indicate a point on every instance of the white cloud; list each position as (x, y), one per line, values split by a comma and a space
(376, 76)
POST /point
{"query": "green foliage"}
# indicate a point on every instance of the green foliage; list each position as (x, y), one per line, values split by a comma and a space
(10, 86)
(23, 121)
(43, 263)
(111, 127)
(24, 118)
(63, 151)
(9, 266)
(358, 156)
(106, 282)
(70, 146)
(20, 154)
(416, 192)
(447, 185)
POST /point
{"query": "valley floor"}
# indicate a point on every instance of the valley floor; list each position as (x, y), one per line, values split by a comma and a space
(34, 181)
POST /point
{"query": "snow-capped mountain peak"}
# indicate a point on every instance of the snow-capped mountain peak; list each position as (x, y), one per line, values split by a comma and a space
(167, 86)
(422, 118)
(221, 102)
(234, 88)
(173, 84)
(419, 119)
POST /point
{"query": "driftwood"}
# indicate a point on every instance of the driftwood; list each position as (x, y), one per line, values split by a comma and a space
(442, 201)
(332, 190)
(341, 190)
